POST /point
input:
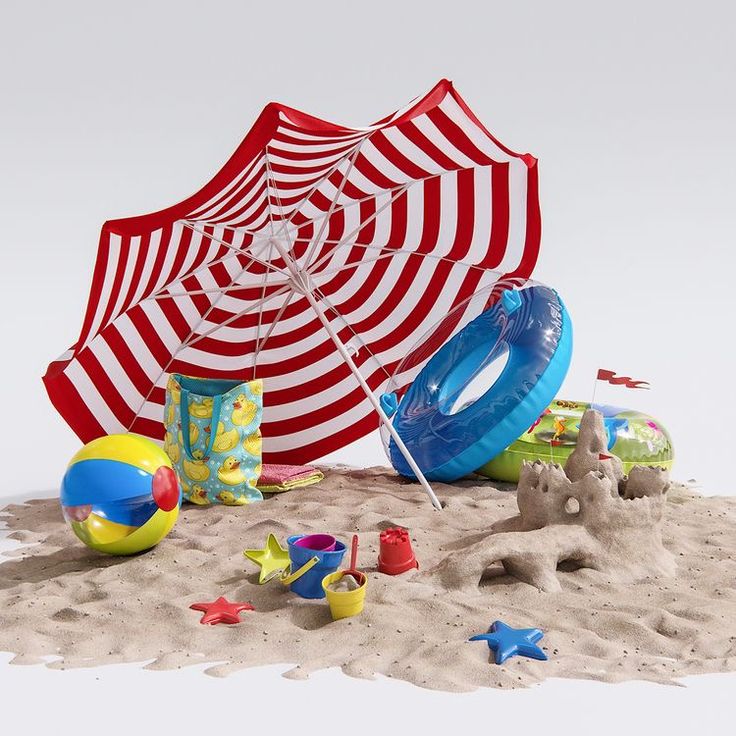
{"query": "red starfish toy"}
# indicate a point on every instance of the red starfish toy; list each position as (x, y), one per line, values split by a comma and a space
(221, 611)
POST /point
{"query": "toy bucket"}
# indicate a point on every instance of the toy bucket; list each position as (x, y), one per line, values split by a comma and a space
(344, 603)
(317, 542)
(309, 585)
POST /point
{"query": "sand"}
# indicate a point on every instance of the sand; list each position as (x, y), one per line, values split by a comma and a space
(66, 606)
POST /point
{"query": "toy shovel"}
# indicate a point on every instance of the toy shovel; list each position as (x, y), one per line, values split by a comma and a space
(346, 599)
(353, 571)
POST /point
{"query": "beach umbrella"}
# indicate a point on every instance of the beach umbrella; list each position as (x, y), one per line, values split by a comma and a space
(313, 260)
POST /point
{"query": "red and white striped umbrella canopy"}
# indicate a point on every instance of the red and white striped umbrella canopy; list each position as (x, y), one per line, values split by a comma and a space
(377, 231)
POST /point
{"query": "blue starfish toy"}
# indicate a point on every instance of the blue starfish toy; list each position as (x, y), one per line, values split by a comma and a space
(505, 641)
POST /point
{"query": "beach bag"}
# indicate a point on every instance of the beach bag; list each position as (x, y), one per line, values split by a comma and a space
(218, 458)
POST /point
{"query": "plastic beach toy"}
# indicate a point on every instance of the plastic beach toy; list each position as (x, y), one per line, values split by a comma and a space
(350, 601)
(300, 567)
(505, 641)
(321, 542)
(353, 569)
(275, 562)
(221, 611)
(308, 584)
(485, 385)
(635, 438)
(273, 559)
(120, 494)
(396, 555)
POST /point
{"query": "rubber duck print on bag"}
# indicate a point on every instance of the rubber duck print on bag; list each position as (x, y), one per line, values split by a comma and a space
(219, 462)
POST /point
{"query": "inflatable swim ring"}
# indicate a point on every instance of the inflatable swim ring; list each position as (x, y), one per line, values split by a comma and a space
(526, 333)
(636, 438)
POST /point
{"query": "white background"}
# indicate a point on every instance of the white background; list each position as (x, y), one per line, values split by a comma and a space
(109, 110)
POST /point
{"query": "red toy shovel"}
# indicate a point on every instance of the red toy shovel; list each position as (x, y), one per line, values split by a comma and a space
(353, 570)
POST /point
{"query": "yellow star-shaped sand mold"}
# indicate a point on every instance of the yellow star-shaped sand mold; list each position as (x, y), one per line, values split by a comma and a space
(273, 559)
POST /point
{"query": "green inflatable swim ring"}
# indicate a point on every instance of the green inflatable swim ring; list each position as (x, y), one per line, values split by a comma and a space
(636, 438)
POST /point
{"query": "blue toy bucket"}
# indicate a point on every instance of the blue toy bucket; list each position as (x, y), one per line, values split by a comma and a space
(309, 585)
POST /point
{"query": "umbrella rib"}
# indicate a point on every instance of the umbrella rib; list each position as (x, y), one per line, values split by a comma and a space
(312, 220)
(395, 192)
(373, 400)
(214, 223)
(356, 202)
(333, 309)
(265, 264)
(301, 282)
(353, 156)
(333, 204)
(189, 341)
(262, 341)
(319, 183)
(398, 193)
(220, 290)
(270, 180)
(207, 265)
(185, 342)
(260, 311)
(388, 254)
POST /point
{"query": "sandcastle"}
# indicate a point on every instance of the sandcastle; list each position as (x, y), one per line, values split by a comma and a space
(589, 515)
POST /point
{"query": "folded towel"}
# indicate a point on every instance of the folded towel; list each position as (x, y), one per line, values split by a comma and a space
(280, 478)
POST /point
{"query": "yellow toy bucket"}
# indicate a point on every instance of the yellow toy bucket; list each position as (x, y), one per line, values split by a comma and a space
(345, 603)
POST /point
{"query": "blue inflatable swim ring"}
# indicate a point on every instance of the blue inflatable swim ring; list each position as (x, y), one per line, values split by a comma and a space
(448, 439)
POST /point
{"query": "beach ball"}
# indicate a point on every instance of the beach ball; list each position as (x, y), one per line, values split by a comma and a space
(120, 494)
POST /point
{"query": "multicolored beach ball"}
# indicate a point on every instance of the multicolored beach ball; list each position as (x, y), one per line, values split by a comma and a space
(120, 494)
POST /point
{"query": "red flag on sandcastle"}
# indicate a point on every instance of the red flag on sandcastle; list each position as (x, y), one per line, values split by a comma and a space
(626, 381)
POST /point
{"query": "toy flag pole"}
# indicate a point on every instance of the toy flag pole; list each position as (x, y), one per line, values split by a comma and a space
(302, 285)
(595, 384)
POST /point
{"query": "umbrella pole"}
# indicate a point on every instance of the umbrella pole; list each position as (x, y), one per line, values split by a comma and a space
(302, 285)
(372, 398)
